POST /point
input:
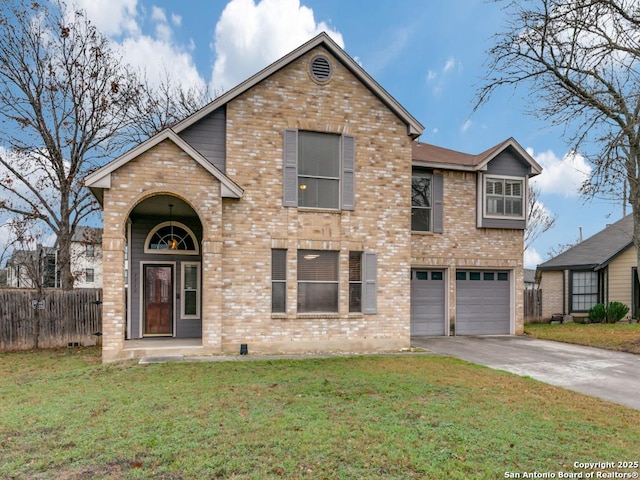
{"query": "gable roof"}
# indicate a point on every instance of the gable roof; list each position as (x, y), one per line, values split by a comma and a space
(101, 178)
(414, 127)
(597, 251)
(432, 156)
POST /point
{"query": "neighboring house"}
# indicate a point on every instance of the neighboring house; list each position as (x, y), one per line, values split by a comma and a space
(26, 265)
(599, 269)
(86, 257)
(530, 279)
(86, 262)
(297, 213)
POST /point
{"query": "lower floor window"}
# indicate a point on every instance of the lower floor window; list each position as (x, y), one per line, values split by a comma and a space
(584, 291)
(190, 289)
(355, 282)
(317, 281)
(89, 275)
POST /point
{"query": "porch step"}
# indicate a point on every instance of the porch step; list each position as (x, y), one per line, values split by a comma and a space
(161, 359)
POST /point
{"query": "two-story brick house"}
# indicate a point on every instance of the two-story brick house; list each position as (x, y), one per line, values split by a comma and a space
(280, 217)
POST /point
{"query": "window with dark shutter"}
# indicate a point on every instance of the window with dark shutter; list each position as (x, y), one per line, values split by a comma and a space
(318, 170)
(317, 281)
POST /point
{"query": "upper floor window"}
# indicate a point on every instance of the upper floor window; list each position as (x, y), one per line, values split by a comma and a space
(90, 251)
(319, 170)
(171, 238)
(504, 197)
(421, 202)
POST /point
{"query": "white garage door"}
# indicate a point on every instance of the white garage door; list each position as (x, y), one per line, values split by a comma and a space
(427, 302)
(483, 303)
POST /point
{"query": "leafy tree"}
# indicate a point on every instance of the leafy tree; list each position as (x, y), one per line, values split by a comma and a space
(579, 59)
(65, 96)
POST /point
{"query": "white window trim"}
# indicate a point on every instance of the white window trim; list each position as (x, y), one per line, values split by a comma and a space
(486, 177)
(171, 252)
(183, 290)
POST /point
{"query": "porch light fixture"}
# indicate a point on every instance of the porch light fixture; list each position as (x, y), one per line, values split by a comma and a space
(173, 243)
(303, 186)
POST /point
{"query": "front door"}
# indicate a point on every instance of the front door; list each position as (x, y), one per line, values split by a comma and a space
(158, 300)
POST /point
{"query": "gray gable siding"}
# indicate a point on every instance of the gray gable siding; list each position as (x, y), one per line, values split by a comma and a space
(140, 228)
(208, 136)
(507, 163)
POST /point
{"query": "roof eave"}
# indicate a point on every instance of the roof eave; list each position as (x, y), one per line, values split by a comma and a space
(414, 127)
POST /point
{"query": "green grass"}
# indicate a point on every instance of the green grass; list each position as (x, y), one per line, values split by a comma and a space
(624, 337)
(65, 416)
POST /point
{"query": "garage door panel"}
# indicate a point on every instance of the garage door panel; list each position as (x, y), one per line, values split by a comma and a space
(427, 302)
(483, 305)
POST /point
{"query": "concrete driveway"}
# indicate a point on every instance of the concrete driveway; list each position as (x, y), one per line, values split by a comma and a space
(612, 376)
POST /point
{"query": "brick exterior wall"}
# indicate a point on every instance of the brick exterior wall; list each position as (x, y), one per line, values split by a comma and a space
(462, 245)
(552, 286)
(238, 234)
(254, 225)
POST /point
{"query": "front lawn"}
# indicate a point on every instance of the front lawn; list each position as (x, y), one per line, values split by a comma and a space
(64, 415)
(624, 337)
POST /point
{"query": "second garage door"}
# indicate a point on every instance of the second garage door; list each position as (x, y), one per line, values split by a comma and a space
(483, 303)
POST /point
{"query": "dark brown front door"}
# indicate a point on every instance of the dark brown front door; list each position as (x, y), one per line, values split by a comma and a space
(158, 300)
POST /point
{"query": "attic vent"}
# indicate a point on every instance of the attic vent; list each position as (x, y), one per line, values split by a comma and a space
(320, 68)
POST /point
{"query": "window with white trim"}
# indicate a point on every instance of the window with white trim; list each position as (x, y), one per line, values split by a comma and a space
(504, 197)
(171, 238)
(317, 281)
(89, 275)
(190, 290)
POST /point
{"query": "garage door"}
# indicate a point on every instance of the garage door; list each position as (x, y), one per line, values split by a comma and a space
(427, 302)
(483, 303)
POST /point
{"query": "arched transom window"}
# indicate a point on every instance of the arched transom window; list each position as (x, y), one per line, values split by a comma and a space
(171, 238)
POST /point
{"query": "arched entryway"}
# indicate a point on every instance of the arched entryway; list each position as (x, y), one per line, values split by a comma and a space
(164, 269)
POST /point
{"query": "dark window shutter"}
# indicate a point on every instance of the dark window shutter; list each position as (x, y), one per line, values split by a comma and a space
(438, 193)
(290, 169)
(369, 284)
(348, 173)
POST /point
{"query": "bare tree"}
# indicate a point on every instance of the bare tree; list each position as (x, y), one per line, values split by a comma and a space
(579, 59)
(164, 104)
(65, 96)
(538, 218)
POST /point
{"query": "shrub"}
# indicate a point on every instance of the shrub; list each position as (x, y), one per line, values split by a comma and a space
(616, 311)
(598, 313)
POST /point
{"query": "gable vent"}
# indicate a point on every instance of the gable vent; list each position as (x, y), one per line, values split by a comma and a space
(320, 68)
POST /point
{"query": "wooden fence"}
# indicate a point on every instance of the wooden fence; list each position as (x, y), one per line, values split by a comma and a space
(532, 305)
(66, 318)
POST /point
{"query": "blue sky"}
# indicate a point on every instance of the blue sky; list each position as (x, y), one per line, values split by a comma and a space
(429, 55)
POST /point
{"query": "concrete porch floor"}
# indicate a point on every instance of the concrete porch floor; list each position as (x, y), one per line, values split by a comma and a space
(162, 346)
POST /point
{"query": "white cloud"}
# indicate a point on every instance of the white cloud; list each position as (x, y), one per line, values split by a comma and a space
(112, 17)
(449, 65)
(437, 78)
(561, 176)
(532, 258)
(464, 128)
(154, 54)
(249, 36)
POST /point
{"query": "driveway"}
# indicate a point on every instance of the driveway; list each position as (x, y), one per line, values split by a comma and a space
(612, 376)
